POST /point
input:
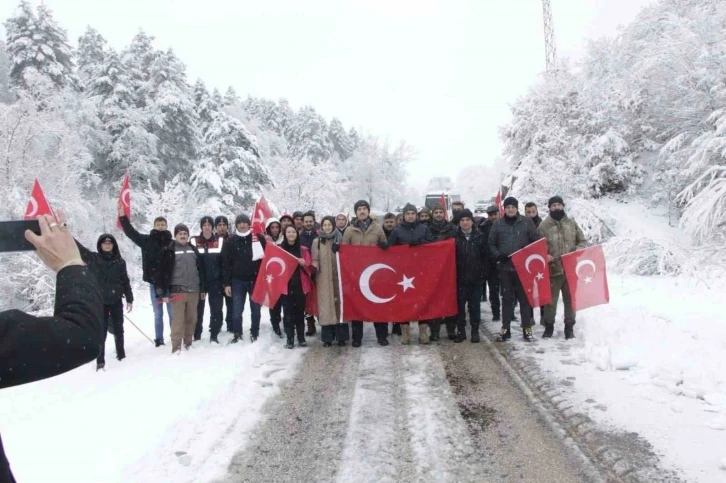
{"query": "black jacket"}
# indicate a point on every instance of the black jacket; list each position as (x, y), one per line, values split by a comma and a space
(211, 252)
(537, 220)
(168, 258)
(34, 348)
(485, 227)
(407, 233)
(442, 231)
(506, 238)
(110, 271)
(152, 246)
(307, 237)
(472, 257)
(237, 261)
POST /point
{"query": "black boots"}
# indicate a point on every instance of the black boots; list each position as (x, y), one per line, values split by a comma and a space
(277, 331)
(213, 338)
(496, 318)
(311, 326)
(396, 330)
(237, 338)
(475, 335)
(549, 331)
(461, 335)
(290, 344)
(159, 342)
(435, 330)
(569, 330)
(504, 335)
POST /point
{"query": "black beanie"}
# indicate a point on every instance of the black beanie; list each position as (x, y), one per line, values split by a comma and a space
(555, 199)
(465, 213)
(241, 219)
(510, 200)
(221, 219)
(407, 208)
(206, 219)
(181, 227)
(297, 214)
(360, 203)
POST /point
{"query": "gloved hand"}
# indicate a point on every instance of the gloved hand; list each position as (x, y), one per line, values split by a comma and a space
(414, 243)
(383, 245)
(335, 248)
(313, 276)
(502, 258)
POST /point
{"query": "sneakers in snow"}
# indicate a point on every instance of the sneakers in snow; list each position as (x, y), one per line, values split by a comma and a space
(159, 342)
(383, 342)
(342, 343)
(527, 334)
(504, 335)
(253, 338)
(549, 331)
(100, 366)
(327, 344)
(236, 338)
(302, 344)
(290, 344)
(355, 343)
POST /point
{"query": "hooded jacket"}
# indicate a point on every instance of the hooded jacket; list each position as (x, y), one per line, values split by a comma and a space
(110, 271)
(152, 246)
(211, 252)
(280, 238)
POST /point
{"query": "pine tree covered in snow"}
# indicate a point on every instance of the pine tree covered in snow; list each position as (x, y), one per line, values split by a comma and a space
(138, 58)
(5, 95)
(90, 56)
(204, 106)
(308, 136)
(217, 97)
(340, 139)
(230, 97)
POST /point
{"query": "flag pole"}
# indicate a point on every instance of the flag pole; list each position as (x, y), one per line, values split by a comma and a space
(137, 328)
(340, 287)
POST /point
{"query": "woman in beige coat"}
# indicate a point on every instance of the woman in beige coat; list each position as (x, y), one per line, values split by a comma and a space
(326, 282)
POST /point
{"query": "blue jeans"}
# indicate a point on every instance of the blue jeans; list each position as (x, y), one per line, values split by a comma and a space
(159, 313)
(240, 290)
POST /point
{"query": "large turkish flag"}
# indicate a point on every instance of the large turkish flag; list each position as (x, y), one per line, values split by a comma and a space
(275, 271)
(260, 216)
(38, 204)
(587, 277)
(124, 197)
(401, 284)
(533, 271)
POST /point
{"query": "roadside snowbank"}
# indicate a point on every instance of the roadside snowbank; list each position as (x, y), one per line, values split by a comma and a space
(152, 417)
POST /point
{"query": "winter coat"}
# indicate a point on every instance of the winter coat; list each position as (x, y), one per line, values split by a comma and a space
(485, 228)
(562, 236)
(34, 348)
(307, 237)
(110, 271)
(211, 252)
(237, 263)
(326, 281)
(152, 246)
(472, 257)
(505, 239)
(280, 237)
(537, 220)
(355, 236)
(168, 261)
(408, 233)
(442, 231)
(304, 273)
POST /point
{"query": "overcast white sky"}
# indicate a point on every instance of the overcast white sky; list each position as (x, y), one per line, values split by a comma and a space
(438, 73)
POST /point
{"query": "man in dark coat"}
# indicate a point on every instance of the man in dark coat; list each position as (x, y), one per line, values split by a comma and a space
(531, 211)
(113, 280)
(492, 275)
(509, 234)
(439, 230)
(413, 233)
(152, 246)
(389, 223)
(307, 235)
(472, 262)
(34, 348)
(221, 226)
(210, 246)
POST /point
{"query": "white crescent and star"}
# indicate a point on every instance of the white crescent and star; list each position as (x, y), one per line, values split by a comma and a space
(532, 257)
(406, 283)
(583, 263)
(275, 261)
(34, 207)
(125, 197)
(365, 283)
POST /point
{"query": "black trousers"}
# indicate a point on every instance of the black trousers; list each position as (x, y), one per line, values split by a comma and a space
(339, 332)
(357, 328)
(215, 299)
(469, 298)
(276, 314)
(512, 290)
(113, 315)
(492, 283)
(228, 313)
(294, 321)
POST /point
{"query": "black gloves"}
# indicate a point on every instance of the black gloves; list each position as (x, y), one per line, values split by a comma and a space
(335, 248)
(383, 245)
(414, 243)
(313, 276)
(502, 258)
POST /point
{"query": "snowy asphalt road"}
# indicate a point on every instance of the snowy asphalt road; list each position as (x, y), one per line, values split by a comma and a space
(444, 412)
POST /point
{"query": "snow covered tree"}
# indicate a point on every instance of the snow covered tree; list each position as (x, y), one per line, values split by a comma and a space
(230, 169)
(340, 139)
(138, 58)
(91, 55)
(300, 184)
(230, 97)
(37, 45)
(308, 136)
(205, 107)
(5, 95)
(217, 97)
(354, 138)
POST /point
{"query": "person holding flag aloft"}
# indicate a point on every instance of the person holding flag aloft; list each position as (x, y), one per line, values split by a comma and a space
(509, 234)
(563, 236)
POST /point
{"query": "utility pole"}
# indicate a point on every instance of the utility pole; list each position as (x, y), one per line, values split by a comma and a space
(549, 34)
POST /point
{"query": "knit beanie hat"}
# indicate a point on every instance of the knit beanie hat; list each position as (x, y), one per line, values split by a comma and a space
(181, 227)
(409, 207)
(221, 219)
(241, 219)
(511, 200)
(206, 219)
(425, 210)
(437, 206)
(465, 213)
(493, 209)
(555, 199)
(360, 203)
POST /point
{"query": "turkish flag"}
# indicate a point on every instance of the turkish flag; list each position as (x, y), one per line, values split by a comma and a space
(38, 204)
(401, 284)
(124, 197)
(260, 216)
(498, 202)
(442, 201)
(275, 271)
(533, 271)
(311, 301)
(587, 277)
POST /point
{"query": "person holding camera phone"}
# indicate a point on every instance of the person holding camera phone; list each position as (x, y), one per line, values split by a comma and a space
(34, 348)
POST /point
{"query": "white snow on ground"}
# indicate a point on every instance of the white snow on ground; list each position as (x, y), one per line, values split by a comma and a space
(132, 422)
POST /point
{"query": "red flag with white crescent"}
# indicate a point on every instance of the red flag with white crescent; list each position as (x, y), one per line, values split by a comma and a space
(533, 271)
(498, 202)
(260, 216)
(275, 271)
(124, 198)
(442, 201)
(38, 204)
(587, 277)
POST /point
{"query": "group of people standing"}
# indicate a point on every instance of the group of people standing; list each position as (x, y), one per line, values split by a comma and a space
(218, 268)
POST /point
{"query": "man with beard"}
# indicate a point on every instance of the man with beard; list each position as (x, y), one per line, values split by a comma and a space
(389, 223)
(530, 210)
(307, 235)
(424, 216)
(439, 230)
(563, 236)
(492, 275)
(210, 246)
(152, 246)
(364, 231)
(509, 234)
(456, 208)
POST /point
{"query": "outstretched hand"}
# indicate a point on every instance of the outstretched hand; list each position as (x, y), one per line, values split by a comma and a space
(120, 209)
(55, 245)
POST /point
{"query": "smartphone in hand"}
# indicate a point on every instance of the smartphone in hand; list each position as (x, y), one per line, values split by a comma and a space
(12, 235)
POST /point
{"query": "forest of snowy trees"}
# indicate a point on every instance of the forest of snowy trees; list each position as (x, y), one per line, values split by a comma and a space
(78, 118)
(643, 114)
